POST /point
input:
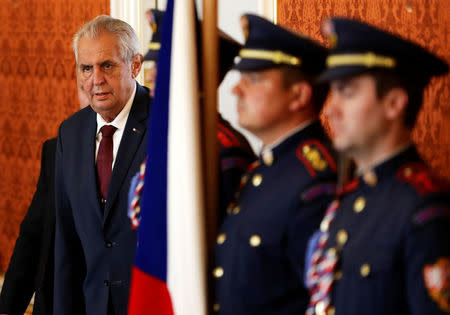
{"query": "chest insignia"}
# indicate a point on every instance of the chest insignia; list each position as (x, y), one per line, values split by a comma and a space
(315, 157)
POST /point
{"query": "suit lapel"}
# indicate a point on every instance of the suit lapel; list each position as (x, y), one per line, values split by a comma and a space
(133, 134)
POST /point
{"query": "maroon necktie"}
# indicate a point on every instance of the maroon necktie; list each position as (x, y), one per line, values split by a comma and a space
(105, 159)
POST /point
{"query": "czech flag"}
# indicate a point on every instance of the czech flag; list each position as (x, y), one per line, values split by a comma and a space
(169, 275)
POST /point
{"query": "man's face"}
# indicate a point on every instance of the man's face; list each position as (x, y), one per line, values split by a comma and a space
(263, 101)
(356, 115)
(107, 80)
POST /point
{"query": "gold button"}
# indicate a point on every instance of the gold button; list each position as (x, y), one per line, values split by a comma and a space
(218, 272)
(359, 204)
(267, 157)
(255, 241)
(370, 178)
(244, 180)
(338, 275)
(257, 180)
(407, 172)
(236, 209)
(216, 307)
(331, 310)
(221, 238)
(365, 270)
(342, 237)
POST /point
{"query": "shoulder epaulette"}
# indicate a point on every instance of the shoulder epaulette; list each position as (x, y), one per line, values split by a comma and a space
(419, 177)
(225, 137)
(315, 157)
(319, 190)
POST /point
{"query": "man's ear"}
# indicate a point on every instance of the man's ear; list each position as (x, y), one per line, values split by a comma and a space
(395, 103)
(302, 94)
(136, 64)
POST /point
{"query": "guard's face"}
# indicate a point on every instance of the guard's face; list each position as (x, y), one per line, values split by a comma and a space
(263, 102)
(107, 80)
(356, 116)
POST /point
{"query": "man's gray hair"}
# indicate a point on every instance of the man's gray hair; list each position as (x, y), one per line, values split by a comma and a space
(127, 39)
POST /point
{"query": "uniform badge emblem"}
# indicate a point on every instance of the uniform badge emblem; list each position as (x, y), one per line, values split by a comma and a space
(245, 27)
(315, 157)
(437, 282)
(329, 32)
(418, 176)
(153, 23)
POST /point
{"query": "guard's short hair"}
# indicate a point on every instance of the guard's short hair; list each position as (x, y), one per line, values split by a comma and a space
(386, 80)
(127, 39)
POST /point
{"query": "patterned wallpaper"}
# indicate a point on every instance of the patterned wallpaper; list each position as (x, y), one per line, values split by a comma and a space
(426, 22)
(38, 91)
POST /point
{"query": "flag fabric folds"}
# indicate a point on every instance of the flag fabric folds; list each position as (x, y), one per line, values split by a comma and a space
(169, 275)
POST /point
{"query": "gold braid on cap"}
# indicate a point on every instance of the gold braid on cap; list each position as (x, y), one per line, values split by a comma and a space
(369, 60)
(154, 46)
(276, 56)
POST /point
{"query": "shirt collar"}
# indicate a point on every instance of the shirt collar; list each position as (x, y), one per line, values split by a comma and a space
(120, 121)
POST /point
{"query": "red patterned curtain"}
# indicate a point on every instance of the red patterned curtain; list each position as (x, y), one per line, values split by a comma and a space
(38, 91)
(426, 22)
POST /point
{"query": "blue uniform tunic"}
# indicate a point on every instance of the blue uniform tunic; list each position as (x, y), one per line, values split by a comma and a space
(391, 234)
(259, 256)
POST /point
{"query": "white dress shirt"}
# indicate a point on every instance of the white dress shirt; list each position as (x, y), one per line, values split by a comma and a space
(119, 122)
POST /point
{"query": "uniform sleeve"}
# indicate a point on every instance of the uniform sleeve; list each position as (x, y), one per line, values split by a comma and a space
(427, 258)
(69, 259)
(19, 283)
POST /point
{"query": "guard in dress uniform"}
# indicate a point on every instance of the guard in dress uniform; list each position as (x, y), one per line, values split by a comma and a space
(235, 153)
(259, 255)
(384, 243)
(154, 19)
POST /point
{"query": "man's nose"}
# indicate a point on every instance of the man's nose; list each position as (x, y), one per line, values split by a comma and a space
(98, 76)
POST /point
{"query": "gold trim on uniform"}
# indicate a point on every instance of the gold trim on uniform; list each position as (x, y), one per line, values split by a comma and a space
(369, 60)
(216, 307)
(154, 45)
(314, 157)
(236, 209)
(359, 205)
(267, 157)
(276, 56)
(370, 178)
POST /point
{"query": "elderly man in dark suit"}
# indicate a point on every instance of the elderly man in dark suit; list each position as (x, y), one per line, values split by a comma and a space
(99, 149)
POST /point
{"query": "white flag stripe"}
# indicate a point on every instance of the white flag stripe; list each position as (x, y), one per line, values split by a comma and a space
(186, 245)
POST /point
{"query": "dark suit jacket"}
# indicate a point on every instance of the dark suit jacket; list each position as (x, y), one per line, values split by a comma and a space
(94, 249)
(31, 267)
